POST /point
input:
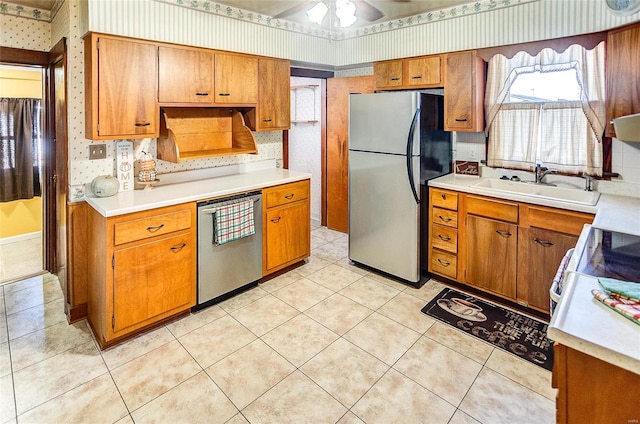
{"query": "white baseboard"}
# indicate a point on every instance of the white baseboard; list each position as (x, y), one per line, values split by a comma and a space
(20, 237)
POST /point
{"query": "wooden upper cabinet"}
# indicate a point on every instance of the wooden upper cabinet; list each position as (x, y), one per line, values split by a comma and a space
(274, 94)
(185, 75)
(464, 92)
(622, 82)
(423, 71)
(236, 79)
(388, 74)
(121, 82)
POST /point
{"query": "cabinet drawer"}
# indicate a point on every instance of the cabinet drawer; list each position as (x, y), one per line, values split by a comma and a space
(444, 217)
(139, 229)
(504, 211)
(444, 238)
(444, 263)
(567, 222)
(286, 193)
(444, 199)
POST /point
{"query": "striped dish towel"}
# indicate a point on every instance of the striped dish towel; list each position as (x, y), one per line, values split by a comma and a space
(628, 308)
(232, 222)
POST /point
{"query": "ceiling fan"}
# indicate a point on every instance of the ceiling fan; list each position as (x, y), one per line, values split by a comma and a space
(363, 9)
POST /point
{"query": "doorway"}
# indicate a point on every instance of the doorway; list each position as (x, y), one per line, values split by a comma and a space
(21, 219)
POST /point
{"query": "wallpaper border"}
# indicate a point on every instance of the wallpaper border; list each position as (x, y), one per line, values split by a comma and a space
(466, 9)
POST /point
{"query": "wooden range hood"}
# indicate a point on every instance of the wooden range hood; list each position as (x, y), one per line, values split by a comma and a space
(192, 133)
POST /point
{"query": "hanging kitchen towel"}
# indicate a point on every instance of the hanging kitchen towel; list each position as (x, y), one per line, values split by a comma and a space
(628, 308)
(232, 222)
(625, 288)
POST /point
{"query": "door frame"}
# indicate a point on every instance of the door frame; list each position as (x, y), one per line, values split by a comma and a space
(322, 76)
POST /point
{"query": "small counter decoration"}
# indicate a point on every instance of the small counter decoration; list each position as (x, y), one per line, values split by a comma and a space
(147, 172)
(105, 186)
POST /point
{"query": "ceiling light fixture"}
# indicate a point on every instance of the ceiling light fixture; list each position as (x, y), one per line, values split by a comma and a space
(318, 12)
(346, 12)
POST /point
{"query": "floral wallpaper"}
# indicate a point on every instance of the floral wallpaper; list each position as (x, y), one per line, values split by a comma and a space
(479, 6)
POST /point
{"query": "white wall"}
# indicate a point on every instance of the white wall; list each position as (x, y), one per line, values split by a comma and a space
(305, 138)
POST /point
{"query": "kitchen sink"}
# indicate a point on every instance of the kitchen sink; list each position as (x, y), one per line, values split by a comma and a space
(561, 194)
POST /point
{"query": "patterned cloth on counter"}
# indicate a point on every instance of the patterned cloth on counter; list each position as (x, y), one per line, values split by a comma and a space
(629, 308)
(625, 288)
(232, 222)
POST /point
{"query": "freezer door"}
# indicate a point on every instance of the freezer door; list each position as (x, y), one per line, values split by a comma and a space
(383, 214)
(381, 122)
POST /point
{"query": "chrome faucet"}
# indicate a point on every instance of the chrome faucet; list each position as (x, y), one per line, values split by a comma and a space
(541, 172)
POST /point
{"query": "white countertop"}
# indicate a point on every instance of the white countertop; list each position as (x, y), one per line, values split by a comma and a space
(584, 324)
(612, 212)
(191, 191)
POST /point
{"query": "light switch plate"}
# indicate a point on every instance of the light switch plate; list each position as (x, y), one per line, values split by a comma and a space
(97, 151)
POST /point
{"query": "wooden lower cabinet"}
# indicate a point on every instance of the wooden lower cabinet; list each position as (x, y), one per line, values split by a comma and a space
(491, 255)
(286, 227)
(540, 251)
(592, 391)
(142, 269)
(509, 249)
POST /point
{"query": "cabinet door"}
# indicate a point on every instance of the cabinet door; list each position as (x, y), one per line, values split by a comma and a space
(423, 71)
(622, 82)
(491, 255)
(388, 74)
(287, 234)
(127, 87)
(539, 254)
(463, 93)
(274, 94)
(152, 279)
(236, 79)
(185, 75)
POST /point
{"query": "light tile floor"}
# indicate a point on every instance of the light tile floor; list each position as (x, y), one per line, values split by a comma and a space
(20, 259)
(325, 343)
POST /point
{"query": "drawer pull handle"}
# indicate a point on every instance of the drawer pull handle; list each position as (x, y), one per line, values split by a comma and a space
(267, 120)
(202, 94)
(444, 196)
(142, 124)
(276, 220)
(444, 218)
(444, 238)
(504, 233)
(224, 94)
(394, 79)
(461, 119)
(416, 77)
(178, 248)
(289, 196)
(544, 243)
(154, 228)
(443, 263)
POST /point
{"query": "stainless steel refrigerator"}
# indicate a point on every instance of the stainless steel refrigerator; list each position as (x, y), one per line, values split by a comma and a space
(396, 144)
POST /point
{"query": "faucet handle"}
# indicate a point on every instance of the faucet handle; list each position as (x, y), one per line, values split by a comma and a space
(588, 180)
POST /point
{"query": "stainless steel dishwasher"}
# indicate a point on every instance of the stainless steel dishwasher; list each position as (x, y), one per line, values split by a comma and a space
(229, 268)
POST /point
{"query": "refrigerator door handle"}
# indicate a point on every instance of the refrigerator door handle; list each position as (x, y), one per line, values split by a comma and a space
(410, 153)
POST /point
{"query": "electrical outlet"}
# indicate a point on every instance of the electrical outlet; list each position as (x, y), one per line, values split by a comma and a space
(97, 151)
(473, 153)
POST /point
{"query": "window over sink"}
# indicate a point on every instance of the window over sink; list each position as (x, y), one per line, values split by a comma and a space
(548, 108)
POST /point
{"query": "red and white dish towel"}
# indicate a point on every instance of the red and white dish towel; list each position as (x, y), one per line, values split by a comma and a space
(232, 222)
(621, 296)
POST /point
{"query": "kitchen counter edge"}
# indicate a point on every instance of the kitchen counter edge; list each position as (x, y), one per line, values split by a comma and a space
(192, 191)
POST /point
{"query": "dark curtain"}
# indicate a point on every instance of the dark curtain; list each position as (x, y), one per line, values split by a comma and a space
(20, 132)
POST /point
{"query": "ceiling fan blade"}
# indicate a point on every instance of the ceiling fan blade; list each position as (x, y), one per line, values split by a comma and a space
(301, 7)
(367, 11)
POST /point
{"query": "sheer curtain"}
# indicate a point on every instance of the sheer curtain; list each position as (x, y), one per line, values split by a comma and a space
(564, 135)
(20, 131)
